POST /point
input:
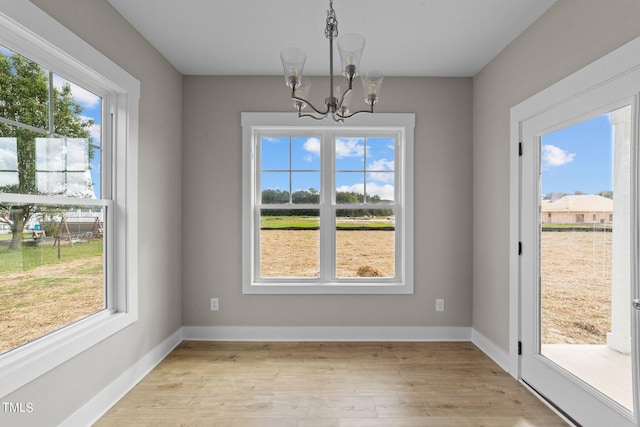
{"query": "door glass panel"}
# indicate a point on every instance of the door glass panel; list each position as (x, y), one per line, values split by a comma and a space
(585, 314)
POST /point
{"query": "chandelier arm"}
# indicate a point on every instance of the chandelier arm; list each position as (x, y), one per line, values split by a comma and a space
(323, 113)
(346, 116)
(312, 116)
(346, 92)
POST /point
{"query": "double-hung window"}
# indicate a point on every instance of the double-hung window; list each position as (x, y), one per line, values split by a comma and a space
(328, 208)
(68, 190)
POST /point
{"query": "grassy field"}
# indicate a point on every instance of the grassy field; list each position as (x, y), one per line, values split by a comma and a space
(312, 223)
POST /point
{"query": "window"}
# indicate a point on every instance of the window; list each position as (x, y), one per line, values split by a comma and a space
(327, 208)
(68, 226)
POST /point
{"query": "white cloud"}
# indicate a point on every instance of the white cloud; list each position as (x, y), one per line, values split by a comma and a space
(381, 176)
(555, 156)
(384, 191)
(381, 165)
(271, 139)
(94, 130)
(312, 145)
(349, 147)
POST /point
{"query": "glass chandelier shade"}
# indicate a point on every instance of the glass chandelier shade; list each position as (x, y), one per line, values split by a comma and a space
(350, 48)
(293, 60)
(371, 83)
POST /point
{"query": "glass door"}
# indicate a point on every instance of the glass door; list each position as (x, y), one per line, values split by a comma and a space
(577, 281)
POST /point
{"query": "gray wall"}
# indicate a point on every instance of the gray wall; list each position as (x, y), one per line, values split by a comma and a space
(62, 391)
(461, 191)
(572, 34)
(213, 194)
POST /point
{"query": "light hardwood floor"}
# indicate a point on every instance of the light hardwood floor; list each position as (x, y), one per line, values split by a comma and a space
(231, 384)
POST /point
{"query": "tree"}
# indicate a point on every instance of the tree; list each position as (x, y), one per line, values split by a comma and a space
(606, 193)
(24, 100)
(553, 196)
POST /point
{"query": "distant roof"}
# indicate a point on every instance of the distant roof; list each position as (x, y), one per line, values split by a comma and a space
(578, 203)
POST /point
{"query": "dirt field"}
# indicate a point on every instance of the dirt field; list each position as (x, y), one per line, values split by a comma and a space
(576, 288)
(294, 253)
(37, 302)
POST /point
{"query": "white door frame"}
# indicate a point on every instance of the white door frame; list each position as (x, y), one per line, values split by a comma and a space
(617, 65)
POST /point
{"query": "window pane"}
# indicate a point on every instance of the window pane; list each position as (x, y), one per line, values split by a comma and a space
(349, 154)
(380, 154)
(8, 162)
(24, 91)
(77, 111)
(365, 243)
(62, 167)
(380, 170)
(349, 187)
(305, 153)
(275, 187)
(52, 274)
(274, 153)
(289, 243)
(306, 185)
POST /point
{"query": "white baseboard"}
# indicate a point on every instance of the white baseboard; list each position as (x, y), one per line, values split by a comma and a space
(310, 333)
(487, 346)
(90, 412)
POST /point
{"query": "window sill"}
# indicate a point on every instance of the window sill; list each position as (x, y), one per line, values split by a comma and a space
(26, 363)
(369, 288)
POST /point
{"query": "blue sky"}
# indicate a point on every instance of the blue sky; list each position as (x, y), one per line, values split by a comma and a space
(578, 158)
(358, 163)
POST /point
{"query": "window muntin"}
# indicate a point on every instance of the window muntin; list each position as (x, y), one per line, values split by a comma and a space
(362, 216)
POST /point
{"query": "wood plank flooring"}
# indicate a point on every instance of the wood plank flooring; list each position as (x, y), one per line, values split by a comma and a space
(239, 384)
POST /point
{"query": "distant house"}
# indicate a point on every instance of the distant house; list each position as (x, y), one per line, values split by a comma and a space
(577, 209)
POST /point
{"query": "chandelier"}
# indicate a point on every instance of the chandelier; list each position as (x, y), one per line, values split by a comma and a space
(350, 47)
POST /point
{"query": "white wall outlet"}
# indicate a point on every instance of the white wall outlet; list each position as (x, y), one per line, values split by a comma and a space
(214, 304)
(439, 304)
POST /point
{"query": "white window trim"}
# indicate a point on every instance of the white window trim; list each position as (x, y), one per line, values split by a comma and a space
(28, 30)
(252, 123)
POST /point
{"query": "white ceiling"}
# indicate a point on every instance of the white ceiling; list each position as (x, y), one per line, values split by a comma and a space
(404, 37)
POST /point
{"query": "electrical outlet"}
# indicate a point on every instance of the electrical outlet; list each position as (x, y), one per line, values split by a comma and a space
(439, 304)
(214, 304)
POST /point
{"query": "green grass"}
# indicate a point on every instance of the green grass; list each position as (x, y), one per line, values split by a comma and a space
(312, 223)
(578, 226)
(369, 224)
(289, 222)
(29, 257)
(8, 236)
